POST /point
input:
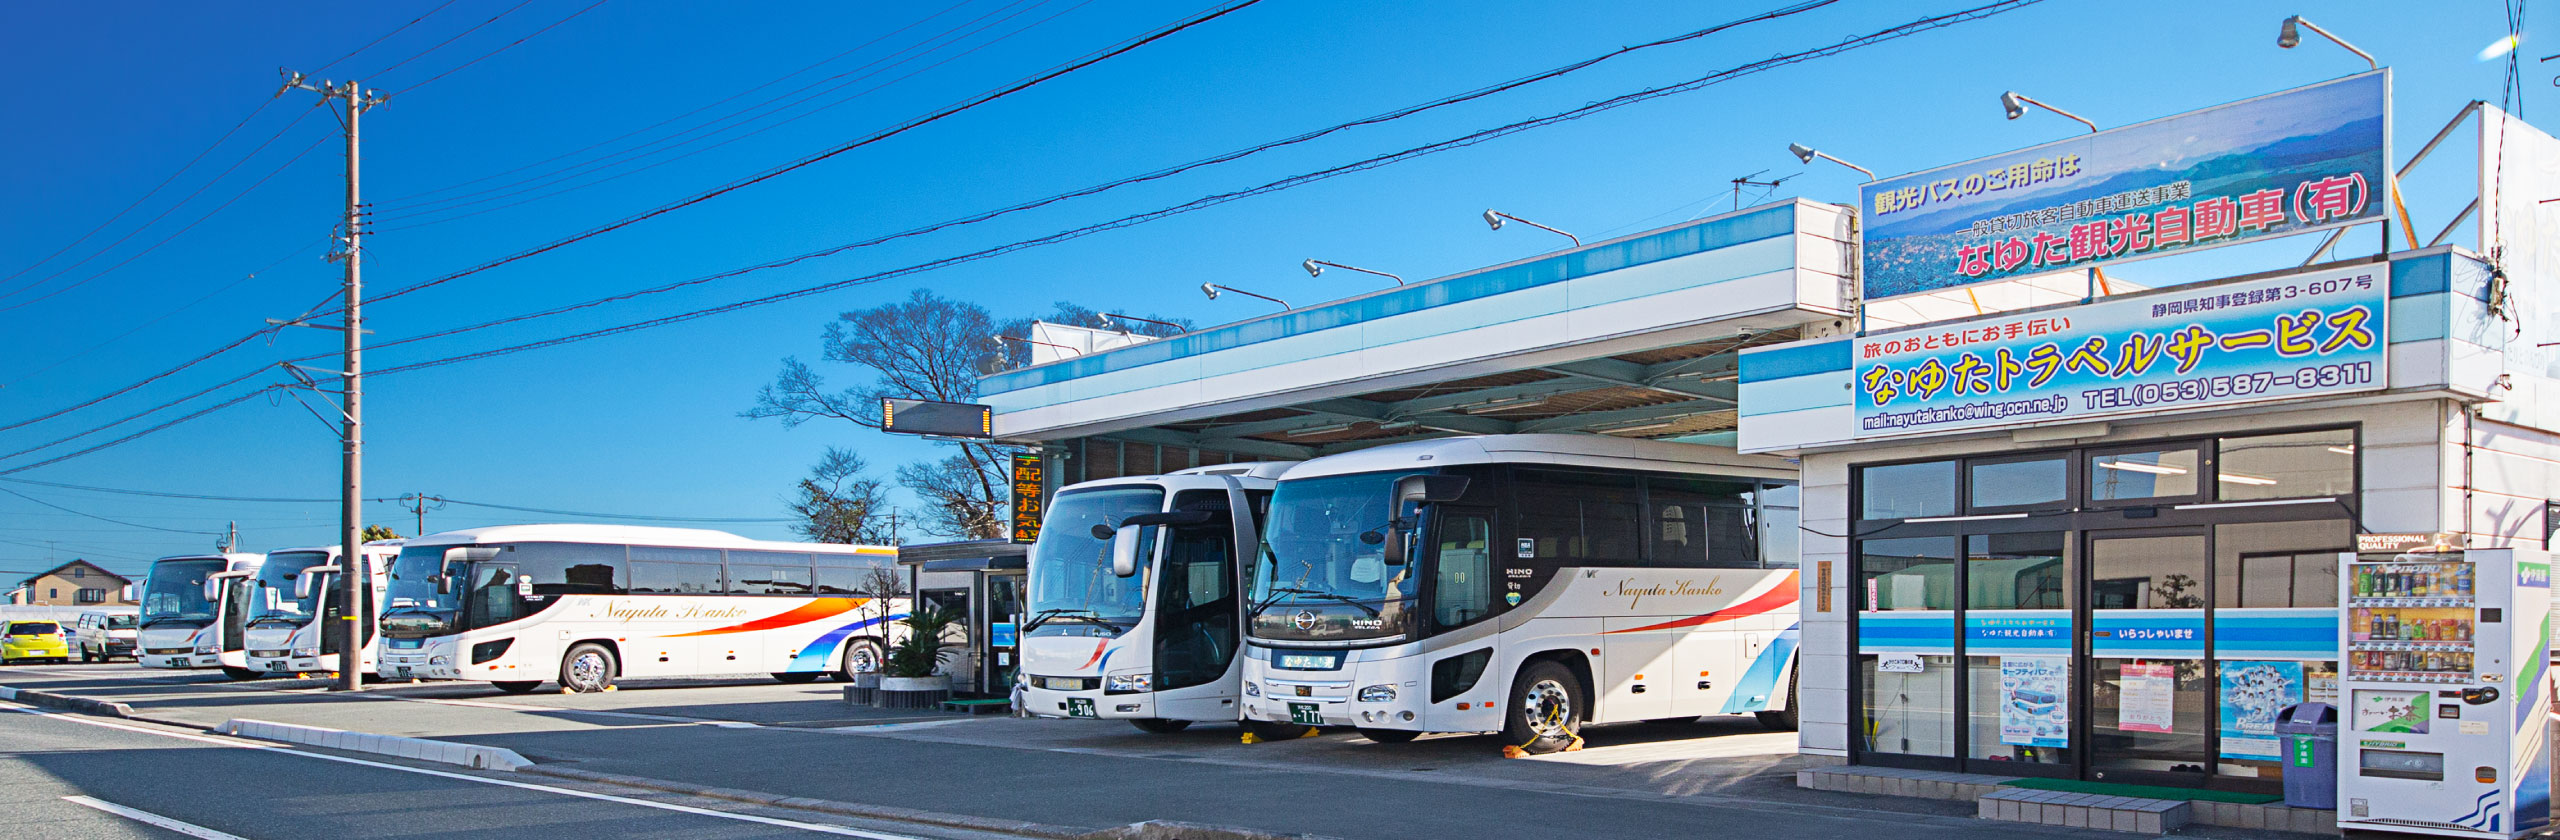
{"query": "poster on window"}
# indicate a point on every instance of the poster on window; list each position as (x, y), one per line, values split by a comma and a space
(2034, 711)
(2147, 702)
(2397, 712)
(2253, 693)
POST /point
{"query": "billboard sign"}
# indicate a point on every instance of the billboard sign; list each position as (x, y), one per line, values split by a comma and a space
(939, 419)
(1028, 479)
(2305, 334)
(2300, 160)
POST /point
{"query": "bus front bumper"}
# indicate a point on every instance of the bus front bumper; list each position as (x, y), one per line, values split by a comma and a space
(1088, 703)
(423, 664)
(178, 660)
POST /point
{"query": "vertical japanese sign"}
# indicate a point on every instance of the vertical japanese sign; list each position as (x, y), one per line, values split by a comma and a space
(2285, 163)
(1028, 477)
(2296, 335)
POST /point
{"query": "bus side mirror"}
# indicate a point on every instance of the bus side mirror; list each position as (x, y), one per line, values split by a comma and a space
(1417, 489)
(302, 583)
(1124, 551)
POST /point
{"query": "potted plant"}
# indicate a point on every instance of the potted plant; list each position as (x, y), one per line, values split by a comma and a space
(884, 592)
(912, 677)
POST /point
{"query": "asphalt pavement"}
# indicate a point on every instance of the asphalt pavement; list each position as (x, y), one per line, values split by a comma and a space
(1716, 776)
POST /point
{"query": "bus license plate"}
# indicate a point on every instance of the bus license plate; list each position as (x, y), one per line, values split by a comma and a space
(400, 671)
(1305, 713)
(1080, 707)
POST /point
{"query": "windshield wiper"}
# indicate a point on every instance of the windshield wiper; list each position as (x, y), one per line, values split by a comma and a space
(1329, 596)
(1083, 615)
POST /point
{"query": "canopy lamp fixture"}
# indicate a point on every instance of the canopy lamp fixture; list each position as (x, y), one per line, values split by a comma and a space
(1808, 153)
(1494, 219)
(2016, 104)
(2292, 35)
(1315, 268)
(1212, 289)
(999, 340)
(1107, 316)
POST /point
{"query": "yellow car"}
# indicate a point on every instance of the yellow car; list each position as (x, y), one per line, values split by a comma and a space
(24, 640)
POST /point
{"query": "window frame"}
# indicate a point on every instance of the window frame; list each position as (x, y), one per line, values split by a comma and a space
(2202, 473)
(2071, 470)
(2355, 466)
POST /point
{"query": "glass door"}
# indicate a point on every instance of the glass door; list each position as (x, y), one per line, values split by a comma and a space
(2150, 702)
(2019, 638)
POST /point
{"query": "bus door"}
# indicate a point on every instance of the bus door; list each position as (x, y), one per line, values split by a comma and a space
(235, 614)
(1467, 591)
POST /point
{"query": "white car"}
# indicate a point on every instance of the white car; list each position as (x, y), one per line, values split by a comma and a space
(101, 635)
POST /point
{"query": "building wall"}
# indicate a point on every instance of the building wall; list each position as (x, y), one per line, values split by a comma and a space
(2411, 450)
(64, 591)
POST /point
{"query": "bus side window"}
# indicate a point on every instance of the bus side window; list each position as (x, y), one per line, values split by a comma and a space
(1463, 587)
(1696, 522)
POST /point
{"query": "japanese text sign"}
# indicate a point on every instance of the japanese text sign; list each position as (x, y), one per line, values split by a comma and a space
(1028, 477)
(2285, 163)
(2297, 335)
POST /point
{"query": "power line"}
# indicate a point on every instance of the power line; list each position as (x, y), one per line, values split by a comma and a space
(138, 328)
(811, 160)
(1160, 174)
(635, 516)
(501, 48)
(456, 37)
(1750, 68)
(385, 36)
(102, 518)
(155, 190)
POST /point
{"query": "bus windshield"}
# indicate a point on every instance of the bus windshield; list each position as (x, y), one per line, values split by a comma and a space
(1320, 560)
(273, 601)
(1073, 592)
(417, 602)
(174, 591)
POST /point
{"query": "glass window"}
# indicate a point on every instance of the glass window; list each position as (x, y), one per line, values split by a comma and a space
(2294, 466)
(2279, 564)
(1780, 544)
(2020, 708)
(2015, 572)
(768, 573)
(568, 568)
(1909, 710)
(1902, 491)
(1700, 522)
(856, 574)
(493, 599)
(2000, 484)
(675, 578)
(2253, 692)
(1463, 582)
(1196, 624)
(1578, 516)
(2145, 474)
(1916, 573)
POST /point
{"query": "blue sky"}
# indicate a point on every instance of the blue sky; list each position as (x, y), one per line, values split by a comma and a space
(109, 99)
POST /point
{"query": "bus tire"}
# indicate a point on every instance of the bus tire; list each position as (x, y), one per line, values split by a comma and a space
(517, 686)
(1545, 711)
(1783, 720)
(1388, 736)
(861, 656)
(588, 667)
(796, 677)
(1160, 726)
(1273, 731)
(240, 674)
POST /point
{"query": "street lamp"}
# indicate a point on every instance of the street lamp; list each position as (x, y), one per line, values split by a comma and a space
(1107, 316)
(1808, 153)
(2016, 104)
(1494, 218)
(2292, 35)
(1315, 268)
(1212, 289)
(999, 340)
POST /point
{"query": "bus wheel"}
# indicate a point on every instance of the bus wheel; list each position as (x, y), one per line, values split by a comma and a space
(1272, 731)
(1543, 716)
(1389, 736)
(1783, 720)
(517, 686)
(861, 656)
(588, 667)
(796, 677)
(240, 674)
(1160, 726)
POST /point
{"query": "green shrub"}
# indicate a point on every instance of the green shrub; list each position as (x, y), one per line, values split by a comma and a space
(920, 653)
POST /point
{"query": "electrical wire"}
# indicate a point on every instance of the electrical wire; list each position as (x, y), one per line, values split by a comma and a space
(105, 519)
(385, 37)
(456, 37)
(501, 48)
(552, 512)
(812, 160)
(155, 190)
(138, 328)
(1888, 34)
(1160, 174)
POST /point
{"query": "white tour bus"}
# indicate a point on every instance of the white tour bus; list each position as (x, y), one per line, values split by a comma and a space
(293, 609)
(195, 613)
(1526, 584)
(516, 605)
(1135, 604)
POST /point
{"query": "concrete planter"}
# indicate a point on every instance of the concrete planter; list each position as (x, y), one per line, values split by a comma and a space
(912, 692)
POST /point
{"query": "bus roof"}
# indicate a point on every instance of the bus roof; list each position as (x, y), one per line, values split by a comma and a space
(230, 562)
(1259, 475)
(633, 535)
(385, 547)
(1563, 450)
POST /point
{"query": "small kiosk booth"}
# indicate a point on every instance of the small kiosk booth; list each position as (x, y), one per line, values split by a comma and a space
(981, 579)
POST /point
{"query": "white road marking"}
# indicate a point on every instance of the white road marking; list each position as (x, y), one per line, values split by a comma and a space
(148, 818)
(819, 828)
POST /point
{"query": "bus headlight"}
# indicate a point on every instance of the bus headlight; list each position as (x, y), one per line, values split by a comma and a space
(1251, 690)
(1134, 684)
(204, 648)
(439, 660)
(1378, 694)
(309, 651)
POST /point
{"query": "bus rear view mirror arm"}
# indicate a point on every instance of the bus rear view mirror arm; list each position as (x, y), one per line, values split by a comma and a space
(302, 582)
(1124, 540)
(1416, 489)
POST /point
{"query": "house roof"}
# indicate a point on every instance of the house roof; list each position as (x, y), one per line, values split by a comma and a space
(93, 567)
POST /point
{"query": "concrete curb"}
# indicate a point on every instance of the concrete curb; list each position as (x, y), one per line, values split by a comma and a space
(1170, 830)
(447, 752)
(66, 702)
(850, 809)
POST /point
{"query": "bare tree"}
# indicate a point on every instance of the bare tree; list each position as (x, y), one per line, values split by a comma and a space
(838, 504)
(926, 347)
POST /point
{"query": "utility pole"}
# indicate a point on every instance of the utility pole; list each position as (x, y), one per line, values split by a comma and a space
(352, 100)
(420, 503)
(1745, 181)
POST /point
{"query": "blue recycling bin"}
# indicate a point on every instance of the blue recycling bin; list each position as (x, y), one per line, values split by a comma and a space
(2310, 732)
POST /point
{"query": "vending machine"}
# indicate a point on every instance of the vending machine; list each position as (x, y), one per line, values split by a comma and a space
(2447, 703)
